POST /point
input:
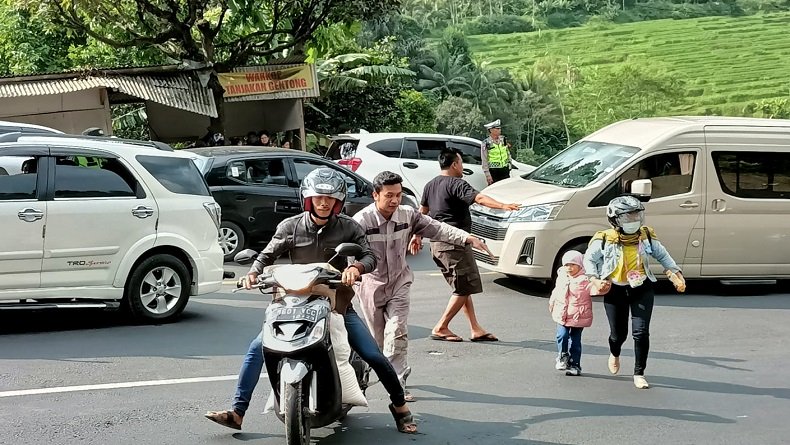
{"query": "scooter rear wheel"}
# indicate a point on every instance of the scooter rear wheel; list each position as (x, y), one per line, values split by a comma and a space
(297, 417)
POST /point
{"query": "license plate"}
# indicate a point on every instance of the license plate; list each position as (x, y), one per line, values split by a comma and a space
(296, 313)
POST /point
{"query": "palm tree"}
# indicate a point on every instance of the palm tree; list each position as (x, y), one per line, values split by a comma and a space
(349, 72)
(445, 74)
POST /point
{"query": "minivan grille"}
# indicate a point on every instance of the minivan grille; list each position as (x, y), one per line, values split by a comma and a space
(489, 232)
(485, 258)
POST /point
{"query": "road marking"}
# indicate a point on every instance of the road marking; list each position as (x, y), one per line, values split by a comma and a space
(257, 304)
(60, 389)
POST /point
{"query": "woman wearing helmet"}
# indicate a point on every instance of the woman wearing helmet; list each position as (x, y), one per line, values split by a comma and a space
(618, 262)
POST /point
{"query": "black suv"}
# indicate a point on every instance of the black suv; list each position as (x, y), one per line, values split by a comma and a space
(257, 187)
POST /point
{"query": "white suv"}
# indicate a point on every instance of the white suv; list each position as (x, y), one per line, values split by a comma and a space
(102, 222)
(412, 155)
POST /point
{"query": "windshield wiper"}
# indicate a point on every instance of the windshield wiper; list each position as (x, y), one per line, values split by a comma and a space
(542, 181)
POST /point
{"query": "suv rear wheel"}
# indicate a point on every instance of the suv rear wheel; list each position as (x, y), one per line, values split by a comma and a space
(158, 289)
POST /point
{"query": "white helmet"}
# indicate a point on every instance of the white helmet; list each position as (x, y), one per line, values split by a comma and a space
(626, 212)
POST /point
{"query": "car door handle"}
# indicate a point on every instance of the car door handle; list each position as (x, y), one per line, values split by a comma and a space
(241, 197)
(468, 172)
(719, 205)
(410, 165)
(689, 205)
(142, 212)
(30, 215)
(285, 206)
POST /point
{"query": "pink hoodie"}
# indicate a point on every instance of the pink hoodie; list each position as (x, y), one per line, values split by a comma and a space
(570, 303)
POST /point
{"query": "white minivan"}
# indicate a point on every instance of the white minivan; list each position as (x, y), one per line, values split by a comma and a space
(100, 222)
(718, 187)
(412, 155)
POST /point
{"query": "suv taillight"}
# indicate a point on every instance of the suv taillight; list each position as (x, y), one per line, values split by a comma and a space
(352, 163)
(215, 211)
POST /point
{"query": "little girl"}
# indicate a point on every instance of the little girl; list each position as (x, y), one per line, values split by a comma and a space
(571, 307)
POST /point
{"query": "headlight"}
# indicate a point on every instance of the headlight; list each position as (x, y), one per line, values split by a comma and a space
(535, 213)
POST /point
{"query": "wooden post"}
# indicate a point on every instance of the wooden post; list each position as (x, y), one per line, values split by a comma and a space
(302, 132)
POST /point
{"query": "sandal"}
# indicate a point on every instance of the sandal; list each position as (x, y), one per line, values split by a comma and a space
(224, 418)
(404, 421)
(409, 397)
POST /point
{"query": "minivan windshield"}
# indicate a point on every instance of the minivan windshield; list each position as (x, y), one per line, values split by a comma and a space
(581, 164)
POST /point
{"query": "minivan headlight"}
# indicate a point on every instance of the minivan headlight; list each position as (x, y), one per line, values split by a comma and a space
(536, 213)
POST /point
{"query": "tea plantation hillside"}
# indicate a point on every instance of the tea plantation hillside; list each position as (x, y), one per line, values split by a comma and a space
(726, 62)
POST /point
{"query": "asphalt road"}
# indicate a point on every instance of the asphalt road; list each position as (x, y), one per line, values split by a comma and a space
(717, 369)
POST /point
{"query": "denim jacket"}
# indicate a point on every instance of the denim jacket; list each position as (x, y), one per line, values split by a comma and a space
(601, 258)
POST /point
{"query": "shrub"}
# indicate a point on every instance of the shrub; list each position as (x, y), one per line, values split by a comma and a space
(497, 24)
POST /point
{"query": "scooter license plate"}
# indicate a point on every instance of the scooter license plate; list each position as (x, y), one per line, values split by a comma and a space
(296, 313)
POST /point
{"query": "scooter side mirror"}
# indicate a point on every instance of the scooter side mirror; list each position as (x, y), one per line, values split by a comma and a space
(245, 257)
(348, 250)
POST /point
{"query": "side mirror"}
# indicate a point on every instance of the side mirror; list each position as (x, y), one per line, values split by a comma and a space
(642, 189)
(348, 250)
(245, 257)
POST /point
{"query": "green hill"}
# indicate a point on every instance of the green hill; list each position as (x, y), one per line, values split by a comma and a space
(726, 62)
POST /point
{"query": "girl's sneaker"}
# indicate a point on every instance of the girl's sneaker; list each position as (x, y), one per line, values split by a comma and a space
(574, 370)
(640, 382)
(562, 362)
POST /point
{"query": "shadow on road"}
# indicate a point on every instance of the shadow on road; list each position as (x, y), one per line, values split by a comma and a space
(570, 408)
(433, 429)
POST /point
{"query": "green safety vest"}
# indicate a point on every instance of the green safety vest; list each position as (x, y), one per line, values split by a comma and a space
(498, 154)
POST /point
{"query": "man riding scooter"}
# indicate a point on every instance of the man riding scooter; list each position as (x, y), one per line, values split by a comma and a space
(312, 237)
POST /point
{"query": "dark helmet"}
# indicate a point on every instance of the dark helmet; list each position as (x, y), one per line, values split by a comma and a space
(323, 182)
(622, 205)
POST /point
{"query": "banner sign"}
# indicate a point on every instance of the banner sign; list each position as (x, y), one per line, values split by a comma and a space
(266, 82)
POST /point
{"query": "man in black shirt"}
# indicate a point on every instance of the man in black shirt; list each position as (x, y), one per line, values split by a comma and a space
(447, 198)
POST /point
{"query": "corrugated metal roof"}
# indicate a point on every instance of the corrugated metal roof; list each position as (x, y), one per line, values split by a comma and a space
(180, 91)
(299, 94)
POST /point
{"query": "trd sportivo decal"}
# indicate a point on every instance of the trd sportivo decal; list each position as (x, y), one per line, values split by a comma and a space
(89, 263)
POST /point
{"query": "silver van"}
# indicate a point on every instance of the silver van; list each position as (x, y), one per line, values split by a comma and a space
(718, 192)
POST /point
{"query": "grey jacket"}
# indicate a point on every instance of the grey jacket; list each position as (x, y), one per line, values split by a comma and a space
(389, 240)
(306, 242)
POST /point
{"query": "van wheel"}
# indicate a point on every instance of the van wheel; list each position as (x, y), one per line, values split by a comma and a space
(158, 289)
(231, 239)
(582, 247)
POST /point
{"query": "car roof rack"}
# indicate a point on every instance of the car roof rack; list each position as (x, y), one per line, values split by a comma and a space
(14, 137)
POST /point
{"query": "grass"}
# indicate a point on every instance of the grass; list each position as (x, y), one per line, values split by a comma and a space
(726, 62)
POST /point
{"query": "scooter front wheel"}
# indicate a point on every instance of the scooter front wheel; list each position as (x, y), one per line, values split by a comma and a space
(297, 417)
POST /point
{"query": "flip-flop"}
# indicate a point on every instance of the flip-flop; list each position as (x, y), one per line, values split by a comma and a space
(224, 418)
(485, 337)
(451, 338)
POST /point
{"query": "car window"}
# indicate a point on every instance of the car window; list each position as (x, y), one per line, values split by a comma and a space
(757, 175)
(671, 174)
(18, 177)
(387, 147)
(409, 150)
(581, 164)
(429, 149)
(342, 149)
(257, 172)
(92, 177)
(305, 166)
(178, 175)
(469, 151)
